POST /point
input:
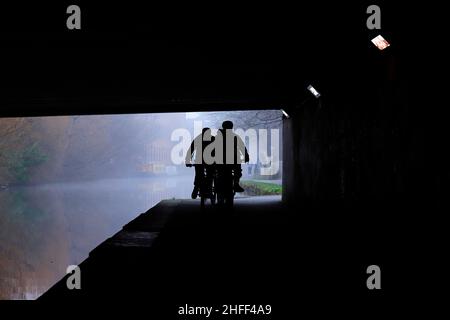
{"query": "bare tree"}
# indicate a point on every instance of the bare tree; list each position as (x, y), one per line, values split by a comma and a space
(247, 119)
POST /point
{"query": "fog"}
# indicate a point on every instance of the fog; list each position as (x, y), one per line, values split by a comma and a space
(68, 183)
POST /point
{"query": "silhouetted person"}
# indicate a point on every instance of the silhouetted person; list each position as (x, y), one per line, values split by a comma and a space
(197, 147)
(232, 151)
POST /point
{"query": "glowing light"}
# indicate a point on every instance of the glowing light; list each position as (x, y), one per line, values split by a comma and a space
(313, 91)
(284, 113)
(380, 42)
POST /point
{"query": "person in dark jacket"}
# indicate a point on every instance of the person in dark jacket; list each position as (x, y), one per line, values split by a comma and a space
(233, 152)
(195, 153)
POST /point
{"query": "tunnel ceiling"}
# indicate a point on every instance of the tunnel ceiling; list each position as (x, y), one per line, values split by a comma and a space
(166, 59)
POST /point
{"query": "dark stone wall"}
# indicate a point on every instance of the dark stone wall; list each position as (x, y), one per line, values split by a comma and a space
(363, 141)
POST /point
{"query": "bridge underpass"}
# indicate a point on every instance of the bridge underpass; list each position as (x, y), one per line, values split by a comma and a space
(259, 252)
(359, 176)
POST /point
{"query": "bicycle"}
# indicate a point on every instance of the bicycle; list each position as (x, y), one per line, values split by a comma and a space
(206, 188)
(224, 185)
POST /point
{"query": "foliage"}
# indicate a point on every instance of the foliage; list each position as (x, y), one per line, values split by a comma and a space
(261, 188)
(21, 162)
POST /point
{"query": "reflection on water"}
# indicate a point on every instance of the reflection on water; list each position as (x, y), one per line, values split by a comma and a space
(46, 228)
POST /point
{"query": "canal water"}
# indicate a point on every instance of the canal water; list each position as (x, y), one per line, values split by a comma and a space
(46, 228)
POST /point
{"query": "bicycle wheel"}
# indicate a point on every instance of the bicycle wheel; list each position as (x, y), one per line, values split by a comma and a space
(202, 202)
(213, 198)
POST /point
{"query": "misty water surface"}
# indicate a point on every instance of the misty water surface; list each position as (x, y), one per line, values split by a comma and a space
(46, 228)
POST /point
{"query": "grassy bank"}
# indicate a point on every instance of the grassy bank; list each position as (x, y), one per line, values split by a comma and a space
(257, 188)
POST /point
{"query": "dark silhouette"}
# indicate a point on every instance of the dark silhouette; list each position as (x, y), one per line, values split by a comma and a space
(203, 170)
(232, 151)
(224, 186)
(217, 169)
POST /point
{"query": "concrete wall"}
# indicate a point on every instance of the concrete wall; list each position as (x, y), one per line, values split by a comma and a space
(362, 142)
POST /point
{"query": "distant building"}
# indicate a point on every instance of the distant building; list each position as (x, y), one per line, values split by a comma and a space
(157, 159)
